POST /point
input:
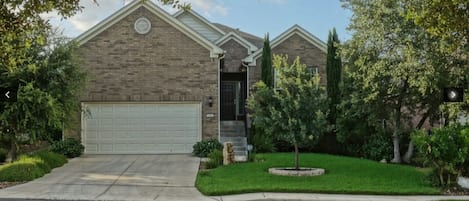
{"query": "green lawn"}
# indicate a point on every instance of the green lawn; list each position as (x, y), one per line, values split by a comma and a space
(343, 175)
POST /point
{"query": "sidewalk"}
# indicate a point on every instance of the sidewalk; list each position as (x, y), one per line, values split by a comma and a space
(329, 197)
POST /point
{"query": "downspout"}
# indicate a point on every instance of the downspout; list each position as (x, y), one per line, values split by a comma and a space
(247, 119)
(220, 57)
(247, 77)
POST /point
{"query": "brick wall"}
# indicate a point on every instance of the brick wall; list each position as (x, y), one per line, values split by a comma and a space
(163, 65)
(235, 52)
(293, 47)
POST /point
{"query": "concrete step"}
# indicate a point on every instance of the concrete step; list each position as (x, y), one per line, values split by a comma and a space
(240, 148)
(232, 135)
(231, 123)
(234, 139)
(241, 153)
(233, 130)
(237, 130)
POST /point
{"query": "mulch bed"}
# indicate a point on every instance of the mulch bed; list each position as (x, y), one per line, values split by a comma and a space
(456, 191)
(202, 166)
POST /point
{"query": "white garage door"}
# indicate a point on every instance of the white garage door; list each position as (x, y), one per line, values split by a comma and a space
(140, 128)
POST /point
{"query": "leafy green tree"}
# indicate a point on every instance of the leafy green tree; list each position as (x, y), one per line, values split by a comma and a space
(295, 111)
(47, 97)
(398, 67)
(448, 19)
(358, 121)
(267, 74)
(334, 73)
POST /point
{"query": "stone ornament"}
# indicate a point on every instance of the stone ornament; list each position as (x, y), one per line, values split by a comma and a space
(142, 25)
(228, 153)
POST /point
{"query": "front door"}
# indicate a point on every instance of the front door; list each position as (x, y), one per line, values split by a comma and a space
(228, 100)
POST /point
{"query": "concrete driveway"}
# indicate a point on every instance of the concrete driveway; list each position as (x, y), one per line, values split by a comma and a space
(116, 177)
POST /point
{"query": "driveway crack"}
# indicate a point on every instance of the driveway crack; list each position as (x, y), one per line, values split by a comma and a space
(117, 179)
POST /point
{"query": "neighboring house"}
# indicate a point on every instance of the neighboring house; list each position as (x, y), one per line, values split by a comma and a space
(159, 82)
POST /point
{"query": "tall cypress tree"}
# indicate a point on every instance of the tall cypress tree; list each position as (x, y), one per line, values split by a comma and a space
(267, 75)
(334, 71)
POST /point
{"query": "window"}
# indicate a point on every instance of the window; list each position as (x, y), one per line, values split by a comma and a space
(313, 70)
(275, 79)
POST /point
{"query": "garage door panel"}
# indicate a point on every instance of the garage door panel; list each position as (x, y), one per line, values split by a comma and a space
(104, 147)
(141, 128)
(92, 147)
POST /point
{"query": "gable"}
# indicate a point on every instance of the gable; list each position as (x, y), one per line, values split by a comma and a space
(233, 37)
(294, 31)
(234, 53)
(199, 25)
(158, 12)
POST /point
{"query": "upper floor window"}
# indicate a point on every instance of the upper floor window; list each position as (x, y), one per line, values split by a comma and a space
(313, 70)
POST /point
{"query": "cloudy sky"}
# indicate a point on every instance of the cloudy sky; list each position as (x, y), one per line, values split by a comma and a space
(253, 16)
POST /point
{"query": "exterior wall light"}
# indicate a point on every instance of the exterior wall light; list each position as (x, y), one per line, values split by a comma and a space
(210, 101)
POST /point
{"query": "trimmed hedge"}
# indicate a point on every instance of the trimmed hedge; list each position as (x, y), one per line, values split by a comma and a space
(54, 160)
(24, 169)
(30, 167)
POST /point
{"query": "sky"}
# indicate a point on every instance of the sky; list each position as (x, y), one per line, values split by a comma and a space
(253, 16)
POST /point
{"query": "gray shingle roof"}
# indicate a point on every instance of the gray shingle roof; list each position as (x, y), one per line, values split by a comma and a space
(255, 40)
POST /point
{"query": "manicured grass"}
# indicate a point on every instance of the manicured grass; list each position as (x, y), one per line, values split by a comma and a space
(343, 175)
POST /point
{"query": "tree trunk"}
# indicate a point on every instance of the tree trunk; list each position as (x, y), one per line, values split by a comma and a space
(410, 150)
(395, 136)
(395, 142)
(397, 123)
(12, 154)
(297, 164)
(409, 153)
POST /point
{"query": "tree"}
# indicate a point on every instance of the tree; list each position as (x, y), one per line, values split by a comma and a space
(398, 66)
(444, 18)
(334, 72)
(267, 73)
(47, 97)
(294, 111)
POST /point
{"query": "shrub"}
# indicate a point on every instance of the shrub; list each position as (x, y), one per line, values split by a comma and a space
(215, 159)
(445, 149)
(24, 169)
(3, 155)
(69, 147)
(36, 160)
(261, 142)
(378, 147)
(205, 147)
(52, 159)
(30, 167)
(256, 158)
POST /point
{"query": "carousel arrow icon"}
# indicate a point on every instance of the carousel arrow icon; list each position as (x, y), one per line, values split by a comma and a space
(7, 94)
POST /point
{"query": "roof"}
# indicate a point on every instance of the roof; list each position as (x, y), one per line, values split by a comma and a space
(255, 40)
(295, 29)
(234, 36)
(153, 8)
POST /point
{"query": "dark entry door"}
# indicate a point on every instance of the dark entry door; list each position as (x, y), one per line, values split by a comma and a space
(228, 100)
